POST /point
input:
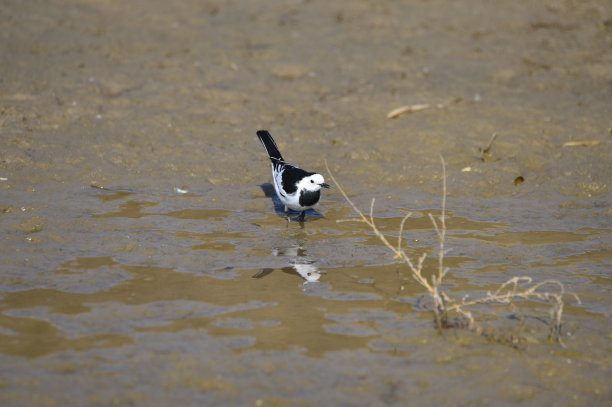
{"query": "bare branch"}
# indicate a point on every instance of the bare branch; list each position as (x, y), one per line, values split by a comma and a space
(515, 287)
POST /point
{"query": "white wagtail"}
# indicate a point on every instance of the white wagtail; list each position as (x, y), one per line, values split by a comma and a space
(297, 189)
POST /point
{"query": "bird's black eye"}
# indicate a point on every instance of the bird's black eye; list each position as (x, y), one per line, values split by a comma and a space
(311, 181)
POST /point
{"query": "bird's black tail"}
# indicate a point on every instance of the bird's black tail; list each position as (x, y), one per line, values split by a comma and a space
(268, 142)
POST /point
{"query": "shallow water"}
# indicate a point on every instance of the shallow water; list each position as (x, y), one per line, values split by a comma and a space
(144, 261)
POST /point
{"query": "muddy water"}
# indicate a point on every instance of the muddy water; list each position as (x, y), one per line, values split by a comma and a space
(144, 262)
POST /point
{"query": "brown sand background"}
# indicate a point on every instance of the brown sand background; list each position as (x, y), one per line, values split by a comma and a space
(141, 294)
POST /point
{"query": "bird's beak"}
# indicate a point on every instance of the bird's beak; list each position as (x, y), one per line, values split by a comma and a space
(325, 185)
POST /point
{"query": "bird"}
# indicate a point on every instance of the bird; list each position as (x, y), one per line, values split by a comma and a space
(297, 189)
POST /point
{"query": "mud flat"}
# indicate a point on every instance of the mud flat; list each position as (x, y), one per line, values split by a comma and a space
(135, 217)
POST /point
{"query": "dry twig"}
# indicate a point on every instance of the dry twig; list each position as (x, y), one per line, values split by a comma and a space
(406, 109)
(583, 143)
(516, 287)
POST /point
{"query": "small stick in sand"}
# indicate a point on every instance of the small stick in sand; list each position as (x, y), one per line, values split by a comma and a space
(407, 109)
(581, 143)
(487, 149)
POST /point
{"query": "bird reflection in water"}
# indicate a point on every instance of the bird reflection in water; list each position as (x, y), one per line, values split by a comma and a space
(298, 264)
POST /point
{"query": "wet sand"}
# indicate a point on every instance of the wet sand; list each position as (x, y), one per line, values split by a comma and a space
(135, 216)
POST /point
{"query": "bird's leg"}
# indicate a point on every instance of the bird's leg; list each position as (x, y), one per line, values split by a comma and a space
(301, 217)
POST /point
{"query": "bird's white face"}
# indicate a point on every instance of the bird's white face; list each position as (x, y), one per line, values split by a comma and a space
(313, 183)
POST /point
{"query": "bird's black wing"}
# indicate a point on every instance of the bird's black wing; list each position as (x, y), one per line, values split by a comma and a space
(291, 176)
